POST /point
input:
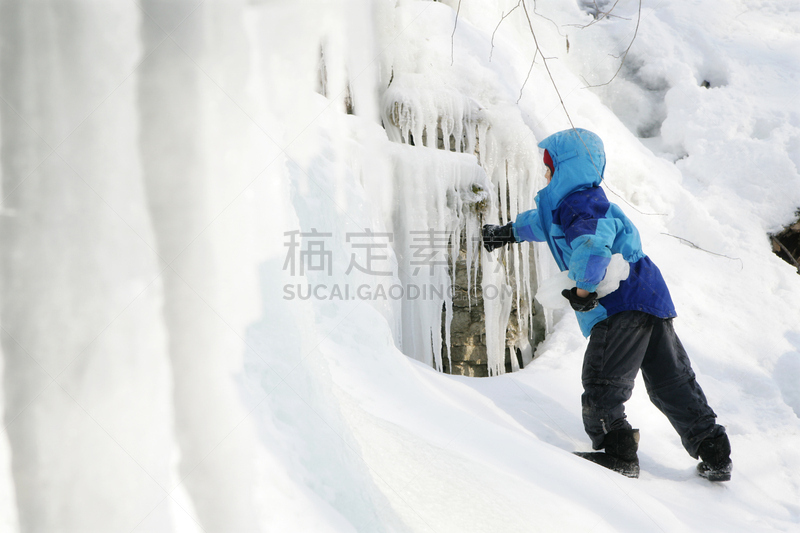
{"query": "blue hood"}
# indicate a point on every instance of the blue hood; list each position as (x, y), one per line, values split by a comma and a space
(579, 160)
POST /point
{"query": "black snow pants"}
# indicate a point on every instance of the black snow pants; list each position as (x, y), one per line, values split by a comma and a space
(618, 347)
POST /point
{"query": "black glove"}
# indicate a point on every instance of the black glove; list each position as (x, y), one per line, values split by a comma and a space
(579, 304)
(496, 236)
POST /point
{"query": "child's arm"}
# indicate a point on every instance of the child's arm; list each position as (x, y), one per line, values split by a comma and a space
(527, 227)
(590, 235)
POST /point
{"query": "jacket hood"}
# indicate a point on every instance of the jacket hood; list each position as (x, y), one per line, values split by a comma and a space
(579, 160)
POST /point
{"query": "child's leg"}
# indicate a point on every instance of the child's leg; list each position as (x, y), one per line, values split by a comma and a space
(672, 387)
(616, 348)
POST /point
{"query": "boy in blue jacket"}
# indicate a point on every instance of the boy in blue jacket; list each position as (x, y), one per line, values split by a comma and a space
(628, 329)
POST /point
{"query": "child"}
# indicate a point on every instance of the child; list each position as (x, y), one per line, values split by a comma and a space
(628, 329)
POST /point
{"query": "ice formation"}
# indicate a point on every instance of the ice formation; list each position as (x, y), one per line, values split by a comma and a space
(430, 103)
(439, 200)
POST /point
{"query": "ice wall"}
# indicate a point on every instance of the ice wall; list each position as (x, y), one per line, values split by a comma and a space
(154, 155)
(86, 379)
(439, 199)
(461, 103)
(133, 226)
(189, 123)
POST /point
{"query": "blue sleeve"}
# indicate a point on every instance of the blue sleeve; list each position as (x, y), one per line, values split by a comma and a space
(528, 227)
(590, 235)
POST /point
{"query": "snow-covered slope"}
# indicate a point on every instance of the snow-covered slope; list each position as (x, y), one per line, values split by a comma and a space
(220, 400)
(716, 173)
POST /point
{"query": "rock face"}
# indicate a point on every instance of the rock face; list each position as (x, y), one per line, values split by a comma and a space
(467, 354)
(467, 330)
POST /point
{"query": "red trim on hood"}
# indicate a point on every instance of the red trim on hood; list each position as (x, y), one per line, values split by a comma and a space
(549, 162)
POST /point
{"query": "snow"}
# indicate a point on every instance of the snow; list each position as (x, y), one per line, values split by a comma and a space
(157, 375)
(549, 291)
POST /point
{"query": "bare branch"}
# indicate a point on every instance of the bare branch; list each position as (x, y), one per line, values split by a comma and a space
(693, 245)
(555, 86)
(546, 66)
(558, 93)
(453, 35)
(624, 54)
(602, 15)
(528, 76)
(553, 22)
(618, 195)
(566, 112)
(502, 18)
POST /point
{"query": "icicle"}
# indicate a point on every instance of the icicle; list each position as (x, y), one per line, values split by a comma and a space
(471, 236)
(436, 193)
(411, 105)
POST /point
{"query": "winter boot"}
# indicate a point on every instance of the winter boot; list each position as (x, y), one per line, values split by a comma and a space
(620, 452)
(716, 462)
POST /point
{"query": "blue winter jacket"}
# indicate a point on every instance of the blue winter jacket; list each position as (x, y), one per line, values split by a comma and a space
(583, 229)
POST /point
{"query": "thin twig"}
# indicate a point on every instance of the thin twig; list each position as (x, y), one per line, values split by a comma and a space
(555, 86)
(553, 22)
(625, 54)
(546, 66)
(693, 245)
(453, 35)
(602, 15)
(618, 195)
(502, 18)
(528, 76)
